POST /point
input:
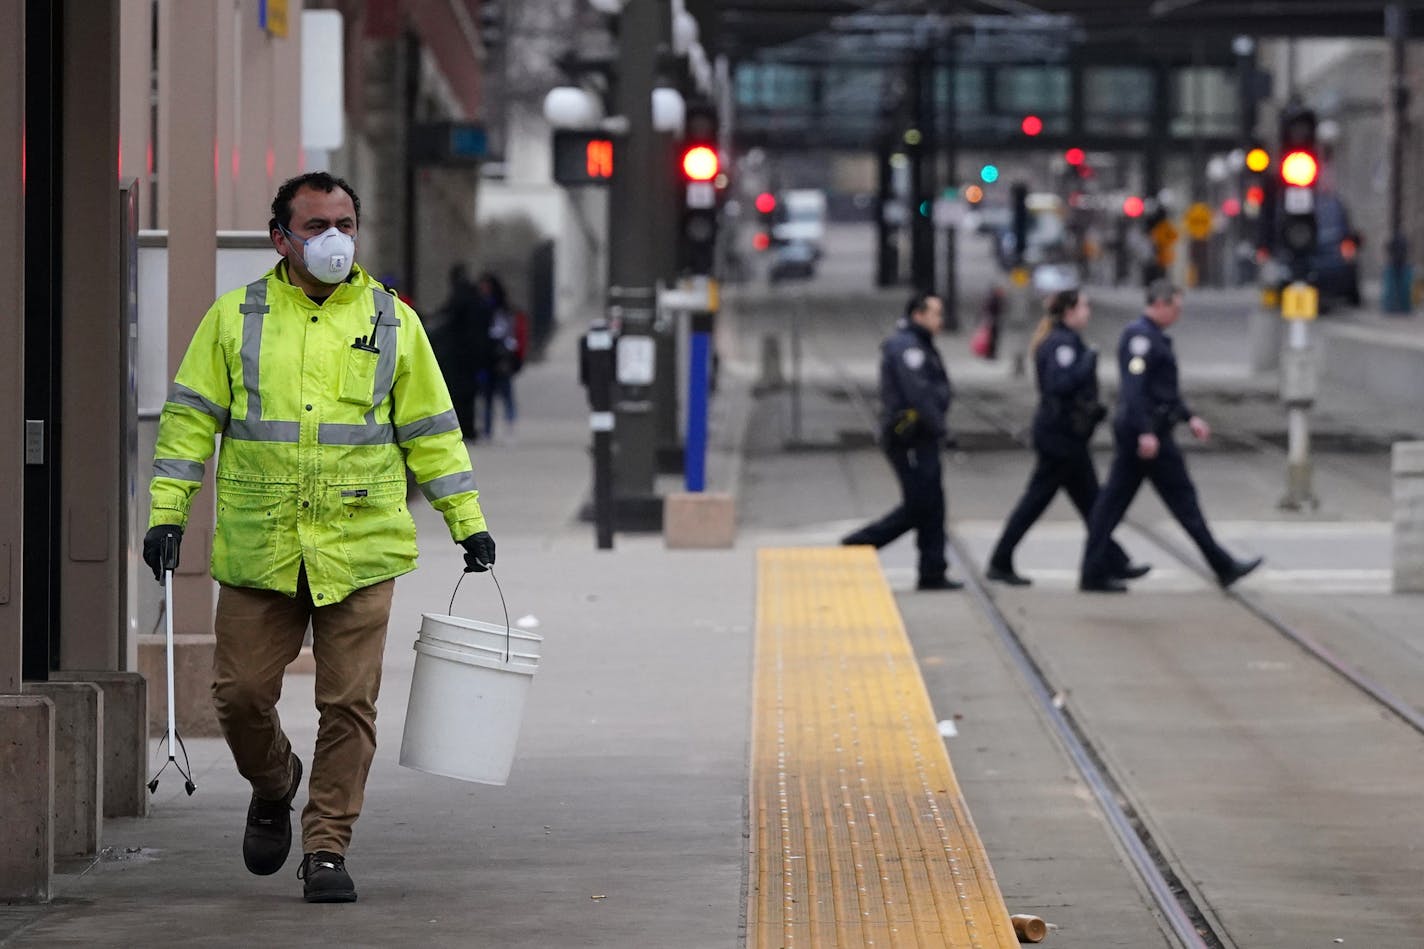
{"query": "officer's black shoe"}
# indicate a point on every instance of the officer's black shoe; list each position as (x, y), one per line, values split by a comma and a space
(938, 583)
(324, 878)
(1006, 575)
(1105, 585)
(268, 839)
(1237, 570)
(1134, 571)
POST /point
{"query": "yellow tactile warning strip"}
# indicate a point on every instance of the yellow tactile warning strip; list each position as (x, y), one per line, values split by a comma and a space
(861, 835)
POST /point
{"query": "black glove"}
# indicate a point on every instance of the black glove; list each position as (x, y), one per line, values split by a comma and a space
(160, 548)
(479, 552)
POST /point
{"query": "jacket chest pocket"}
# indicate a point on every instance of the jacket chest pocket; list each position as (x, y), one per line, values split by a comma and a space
(358, 376)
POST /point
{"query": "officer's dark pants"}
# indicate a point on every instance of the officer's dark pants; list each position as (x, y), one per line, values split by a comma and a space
(1072, 471)
(921, 509)
(1168, 474)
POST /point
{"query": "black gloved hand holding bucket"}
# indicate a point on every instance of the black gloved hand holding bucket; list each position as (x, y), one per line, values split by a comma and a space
(479, 552)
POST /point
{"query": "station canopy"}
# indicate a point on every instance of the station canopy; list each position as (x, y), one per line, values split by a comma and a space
(736, 27)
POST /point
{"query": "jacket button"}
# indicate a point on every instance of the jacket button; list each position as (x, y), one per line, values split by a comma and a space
(308, 406)
(321, 596)
(306, 504)
(313, 319)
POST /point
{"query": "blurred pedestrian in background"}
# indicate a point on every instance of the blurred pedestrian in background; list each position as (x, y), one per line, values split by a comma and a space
(1149, 407)
(1068, 413)
(461, 347)
(503, 352)
(914, 399)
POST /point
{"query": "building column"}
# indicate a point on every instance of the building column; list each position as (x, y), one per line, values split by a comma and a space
(187, 140)
(93, 484)
(12, 348)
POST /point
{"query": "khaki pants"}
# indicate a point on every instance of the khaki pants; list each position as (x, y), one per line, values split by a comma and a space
(258, 633)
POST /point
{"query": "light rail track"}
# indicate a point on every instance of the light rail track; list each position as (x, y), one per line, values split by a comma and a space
(1178, 910)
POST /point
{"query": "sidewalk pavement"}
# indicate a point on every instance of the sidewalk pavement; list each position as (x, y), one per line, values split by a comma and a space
(623, 822)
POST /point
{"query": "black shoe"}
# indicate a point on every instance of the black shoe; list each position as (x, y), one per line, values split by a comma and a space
(1106, 585)
(268, 839)
(938, 583)
(324, 878)
(1006, 575)
(1237, 570)
(851, 540)
(1133, 571)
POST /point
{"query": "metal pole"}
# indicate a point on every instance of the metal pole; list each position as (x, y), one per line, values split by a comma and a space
(1299, 305)
(635, 259)
(795, 312)
(951, 154)
(1396, 290)
(698, 377)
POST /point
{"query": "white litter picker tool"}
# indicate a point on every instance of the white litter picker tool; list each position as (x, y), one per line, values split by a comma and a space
(172, 739)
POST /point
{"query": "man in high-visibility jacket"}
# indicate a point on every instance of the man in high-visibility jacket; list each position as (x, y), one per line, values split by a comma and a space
(324, 388)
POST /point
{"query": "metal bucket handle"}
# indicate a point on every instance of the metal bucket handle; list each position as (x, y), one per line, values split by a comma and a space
(508, 644)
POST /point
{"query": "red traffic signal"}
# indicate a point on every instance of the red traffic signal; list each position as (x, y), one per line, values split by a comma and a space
(1256, 195)
(766, 202)
(1075, 156)
(1031, 125)
(1300, 169)
(699, 163)
(1133, 206)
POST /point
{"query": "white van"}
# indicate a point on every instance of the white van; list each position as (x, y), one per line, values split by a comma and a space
(801, 218)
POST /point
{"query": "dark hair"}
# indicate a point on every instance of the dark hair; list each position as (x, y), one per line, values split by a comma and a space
(496, 288)
(918, 302)
(1161, 290)
(1061, 302)
(316, 180)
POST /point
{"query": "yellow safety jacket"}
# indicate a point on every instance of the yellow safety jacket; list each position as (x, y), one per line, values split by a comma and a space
(317, 434)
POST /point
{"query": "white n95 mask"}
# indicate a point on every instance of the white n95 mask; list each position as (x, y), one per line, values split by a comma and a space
(329, 255)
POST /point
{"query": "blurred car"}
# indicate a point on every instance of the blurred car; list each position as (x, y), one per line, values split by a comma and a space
(1335, 264)
(1054, 277)
(793, 260)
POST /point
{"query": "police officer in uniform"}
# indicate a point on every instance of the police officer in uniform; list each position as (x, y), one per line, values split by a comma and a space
(914, 399)
(1068, 413)
(1149, 407)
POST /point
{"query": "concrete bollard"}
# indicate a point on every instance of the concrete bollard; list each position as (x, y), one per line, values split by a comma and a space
(78, 765)
(772, 378)
(125, 738)
(192, 681)
(699, 521)
(1408, 468)
(1266, 332)
(26, 798)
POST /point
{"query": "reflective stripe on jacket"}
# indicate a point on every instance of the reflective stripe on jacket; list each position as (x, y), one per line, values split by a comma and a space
(317, 434)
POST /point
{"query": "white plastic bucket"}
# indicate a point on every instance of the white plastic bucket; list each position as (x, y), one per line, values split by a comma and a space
(467, 698)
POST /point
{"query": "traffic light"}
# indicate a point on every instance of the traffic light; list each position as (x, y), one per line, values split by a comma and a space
(699, 165)
(1299, 171)
(766, 211)
(1031, 125)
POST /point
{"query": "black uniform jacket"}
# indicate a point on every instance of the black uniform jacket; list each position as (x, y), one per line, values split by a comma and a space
(912, 379)
(1149, 399)
(1068, 408)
